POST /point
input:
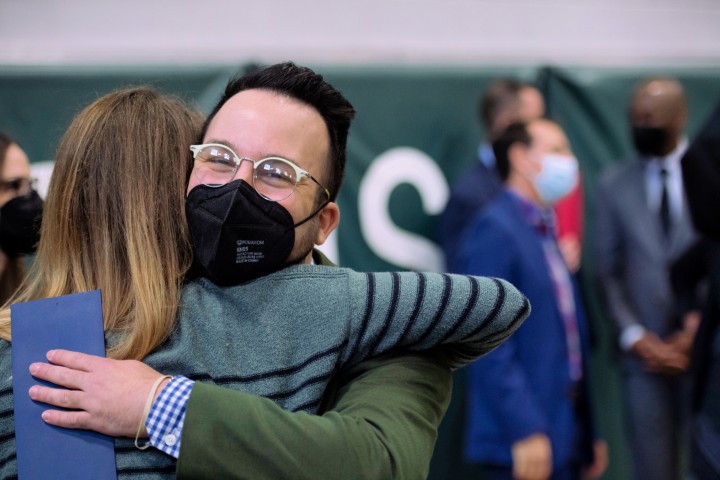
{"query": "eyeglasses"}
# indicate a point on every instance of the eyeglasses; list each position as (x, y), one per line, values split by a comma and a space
(19, 186)
(273, 177)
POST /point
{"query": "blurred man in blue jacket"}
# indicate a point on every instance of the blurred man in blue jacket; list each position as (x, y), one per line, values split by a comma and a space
(527, 406)
(505, 101)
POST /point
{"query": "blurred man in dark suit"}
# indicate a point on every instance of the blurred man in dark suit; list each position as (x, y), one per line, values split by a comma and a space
(642, 226)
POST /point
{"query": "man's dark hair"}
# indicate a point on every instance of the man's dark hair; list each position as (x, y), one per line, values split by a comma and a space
(303, 84)
(515, 133)
(500, 96)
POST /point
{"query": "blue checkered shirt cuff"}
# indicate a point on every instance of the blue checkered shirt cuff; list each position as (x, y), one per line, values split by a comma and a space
(167, 416)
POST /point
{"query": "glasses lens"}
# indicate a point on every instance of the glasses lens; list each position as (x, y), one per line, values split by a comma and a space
(215, 166)
(274, 178)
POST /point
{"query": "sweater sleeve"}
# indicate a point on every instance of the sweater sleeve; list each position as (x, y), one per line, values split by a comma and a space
(8, 464)
(466, 316)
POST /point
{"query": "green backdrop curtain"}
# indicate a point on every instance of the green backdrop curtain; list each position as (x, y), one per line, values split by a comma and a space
(415, 134)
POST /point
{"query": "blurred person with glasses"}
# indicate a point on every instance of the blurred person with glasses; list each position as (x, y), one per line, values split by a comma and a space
(20, 214)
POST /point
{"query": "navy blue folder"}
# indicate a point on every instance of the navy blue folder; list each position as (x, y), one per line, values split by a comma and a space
(72, 322)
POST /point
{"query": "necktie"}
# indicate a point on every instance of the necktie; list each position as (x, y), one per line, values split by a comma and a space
(566, 305)
(664, 203)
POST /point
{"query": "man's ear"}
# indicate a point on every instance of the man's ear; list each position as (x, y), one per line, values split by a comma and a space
(328, 218)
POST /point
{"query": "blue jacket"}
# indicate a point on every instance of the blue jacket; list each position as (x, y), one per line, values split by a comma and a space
(469, 195)
(524, 386)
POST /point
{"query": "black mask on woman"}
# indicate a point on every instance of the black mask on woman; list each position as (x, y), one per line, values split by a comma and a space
(651, 141)
(237, 234)
(20, 224)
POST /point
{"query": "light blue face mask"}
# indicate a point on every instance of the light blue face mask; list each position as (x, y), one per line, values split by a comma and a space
(558, 177)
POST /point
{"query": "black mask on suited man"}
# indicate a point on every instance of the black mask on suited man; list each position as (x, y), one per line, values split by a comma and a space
(651, 141)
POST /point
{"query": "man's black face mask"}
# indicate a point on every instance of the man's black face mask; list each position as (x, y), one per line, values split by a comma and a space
(238, 235)
(651, 141)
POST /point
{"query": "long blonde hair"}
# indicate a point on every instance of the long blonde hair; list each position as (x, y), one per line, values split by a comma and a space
(114, 218)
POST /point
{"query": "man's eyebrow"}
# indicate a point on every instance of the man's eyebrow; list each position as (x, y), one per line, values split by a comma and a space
(220, 141)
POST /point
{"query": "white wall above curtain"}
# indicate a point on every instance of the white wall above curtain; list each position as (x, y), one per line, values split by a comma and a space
(597, 32)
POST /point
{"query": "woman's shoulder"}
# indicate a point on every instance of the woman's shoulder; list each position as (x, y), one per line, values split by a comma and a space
(5, 349)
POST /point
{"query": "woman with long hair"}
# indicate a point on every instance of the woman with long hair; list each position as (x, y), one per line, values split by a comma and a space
(110, 224)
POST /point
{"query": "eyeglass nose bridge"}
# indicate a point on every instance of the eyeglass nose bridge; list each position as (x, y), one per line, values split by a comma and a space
(251, 177)
(245, 174)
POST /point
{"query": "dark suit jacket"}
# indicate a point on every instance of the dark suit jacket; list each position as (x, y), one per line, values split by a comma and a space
(468, 196)
(701, 264)
(524, 386)
(701, 175)
(632, 258)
